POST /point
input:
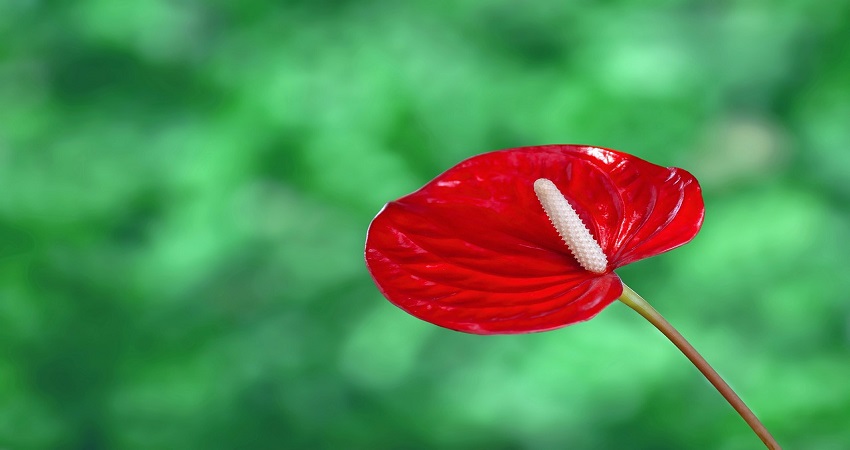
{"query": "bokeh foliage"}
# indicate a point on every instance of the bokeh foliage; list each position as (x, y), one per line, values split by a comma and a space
(186, 187)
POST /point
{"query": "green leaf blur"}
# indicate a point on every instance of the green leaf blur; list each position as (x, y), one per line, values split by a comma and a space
(185, 188)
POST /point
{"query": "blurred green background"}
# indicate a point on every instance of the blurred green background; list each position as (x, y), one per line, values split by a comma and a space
(185, 188)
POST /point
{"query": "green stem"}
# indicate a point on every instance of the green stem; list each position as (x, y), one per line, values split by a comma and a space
(643, 308)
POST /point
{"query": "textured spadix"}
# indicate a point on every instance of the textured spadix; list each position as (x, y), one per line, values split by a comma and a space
(564, 218)
(474, 251)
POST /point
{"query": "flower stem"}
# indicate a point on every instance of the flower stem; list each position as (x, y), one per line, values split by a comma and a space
(636, 302)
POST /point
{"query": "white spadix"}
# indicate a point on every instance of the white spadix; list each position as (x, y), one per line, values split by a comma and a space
(569, 225)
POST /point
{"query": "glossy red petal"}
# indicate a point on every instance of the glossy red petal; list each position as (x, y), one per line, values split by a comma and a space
(473, 250)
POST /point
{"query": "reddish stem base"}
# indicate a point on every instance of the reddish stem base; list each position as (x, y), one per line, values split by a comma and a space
(636, 302)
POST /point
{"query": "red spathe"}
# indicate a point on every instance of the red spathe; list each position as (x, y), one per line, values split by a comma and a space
(474, 251)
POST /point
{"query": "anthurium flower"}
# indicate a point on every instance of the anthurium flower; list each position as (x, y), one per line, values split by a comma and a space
(527, 239)
(486, 246)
